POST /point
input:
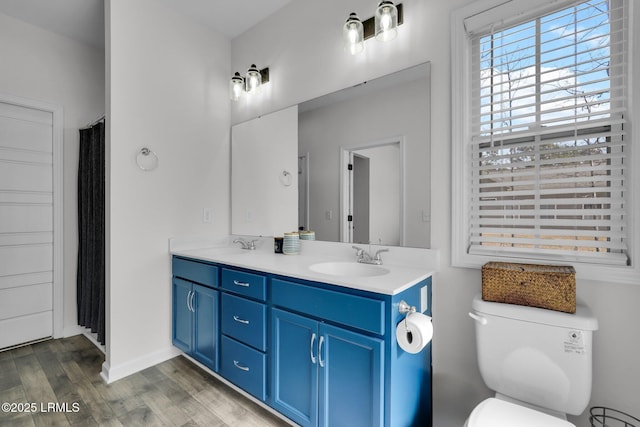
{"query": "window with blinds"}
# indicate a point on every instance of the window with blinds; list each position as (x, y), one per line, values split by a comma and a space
(548, 153)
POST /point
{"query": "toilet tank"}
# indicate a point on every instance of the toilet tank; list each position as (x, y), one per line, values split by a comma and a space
(538, 356)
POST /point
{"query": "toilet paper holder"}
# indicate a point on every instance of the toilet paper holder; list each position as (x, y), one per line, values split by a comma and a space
(403, 308)
(414, 331)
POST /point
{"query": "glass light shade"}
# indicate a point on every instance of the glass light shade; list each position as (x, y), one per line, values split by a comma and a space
(353, 35)
(253, 79)
(236, 87)
(386, 21)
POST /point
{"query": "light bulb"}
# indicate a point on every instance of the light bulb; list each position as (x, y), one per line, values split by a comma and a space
(386, 21)
(236, 87)
(353, 35)
(253, 79)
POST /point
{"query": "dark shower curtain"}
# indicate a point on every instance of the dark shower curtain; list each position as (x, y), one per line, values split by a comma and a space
(91, 235)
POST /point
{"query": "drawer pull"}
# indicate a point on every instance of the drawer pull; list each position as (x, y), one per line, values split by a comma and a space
(243, 284)
(239, 320)
(239, 366)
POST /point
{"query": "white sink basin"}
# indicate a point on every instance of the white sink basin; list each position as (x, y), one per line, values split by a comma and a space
(348, 269)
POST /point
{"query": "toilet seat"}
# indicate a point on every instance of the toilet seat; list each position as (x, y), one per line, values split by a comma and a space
(494, 412)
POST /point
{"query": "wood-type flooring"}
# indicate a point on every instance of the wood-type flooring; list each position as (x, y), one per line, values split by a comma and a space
(58, 383)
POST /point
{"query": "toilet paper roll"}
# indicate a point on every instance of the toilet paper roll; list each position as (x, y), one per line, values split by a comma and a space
(414, 332)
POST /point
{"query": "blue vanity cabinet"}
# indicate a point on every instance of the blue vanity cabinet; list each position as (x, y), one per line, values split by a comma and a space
(195, 310)
(243, 320)
(318, 353)
(326, 374)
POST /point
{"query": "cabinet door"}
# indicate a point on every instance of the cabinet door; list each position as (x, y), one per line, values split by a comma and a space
(294, 367)
(351, 378)
(182, 315)
(205, 326)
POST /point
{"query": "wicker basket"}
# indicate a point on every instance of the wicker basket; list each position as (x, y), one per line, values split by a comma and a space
(546, 286)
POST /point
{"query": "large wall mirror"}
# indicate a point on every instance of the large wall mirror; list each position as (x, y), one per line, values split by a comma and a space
(363, 158)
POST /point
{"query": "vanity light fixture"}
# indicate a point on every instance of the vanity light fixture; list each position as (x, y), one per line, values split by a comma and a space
(249, 84)
(383, 26)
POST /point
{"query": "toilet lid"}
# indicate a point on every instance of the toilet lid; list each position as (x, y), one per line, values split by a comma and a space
(494, 412)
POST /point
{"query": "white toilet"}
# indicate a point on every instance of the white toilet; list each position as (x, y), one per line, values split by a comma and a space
(537, 361)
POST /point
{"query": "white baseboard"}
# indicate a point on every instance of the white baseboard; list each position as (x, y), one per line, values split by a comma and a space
(113, 373)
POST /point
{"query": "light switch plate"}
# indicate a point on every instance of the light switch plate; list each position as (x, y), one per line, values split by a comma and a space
(207, 215)
(424, 299)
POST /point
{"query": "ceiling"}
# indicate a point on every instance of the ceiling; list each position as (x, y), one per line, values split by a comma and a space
(83, 20)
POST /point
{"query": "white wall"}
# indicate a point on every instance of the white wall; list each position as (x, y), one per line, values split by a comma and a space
(167, 83)
(302, 47)
(44, 66)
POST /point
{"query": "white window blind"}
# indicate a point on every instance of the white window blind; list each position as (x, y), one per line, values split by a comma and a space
(548, 153)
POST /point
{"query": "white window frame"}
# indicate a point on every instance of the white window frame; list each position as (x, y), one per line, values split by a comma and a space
(460, 134)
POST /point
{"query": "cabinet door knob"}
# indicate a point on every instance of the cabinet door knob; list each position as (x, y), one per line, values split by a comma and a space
(239, 366)
(313, 340)
(239, 320)
(243, 284)
(320, 361)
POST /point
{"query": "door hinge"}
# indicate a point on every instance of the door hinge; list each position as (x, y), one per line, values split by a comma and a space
(350, 218)
(350, 166)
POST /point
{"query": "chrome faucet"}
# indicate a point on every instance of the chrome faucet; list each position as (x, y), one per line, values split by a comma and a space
(250, 245)
(366, 258)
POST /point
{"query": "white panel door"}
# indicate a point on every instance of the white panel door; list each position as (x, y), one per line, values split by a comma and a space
(26, 224)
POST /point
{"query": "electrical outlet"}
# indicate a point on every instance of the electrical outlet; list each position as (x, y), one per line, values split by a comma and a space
(207, 215)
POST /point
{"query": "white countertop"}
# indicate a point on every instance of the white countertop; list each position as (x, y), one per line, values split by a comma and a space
(405, 268)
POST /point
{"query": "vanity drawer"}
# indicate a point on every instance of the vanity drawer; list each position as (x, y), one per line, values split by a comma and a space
(243, 366)
(352, 310)
(243, 283)
(244, 320)
(195, 271)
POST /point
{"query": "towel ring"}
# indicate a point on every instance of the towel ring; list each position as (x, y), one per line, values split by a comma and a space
(285, 178)
(153, 161)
